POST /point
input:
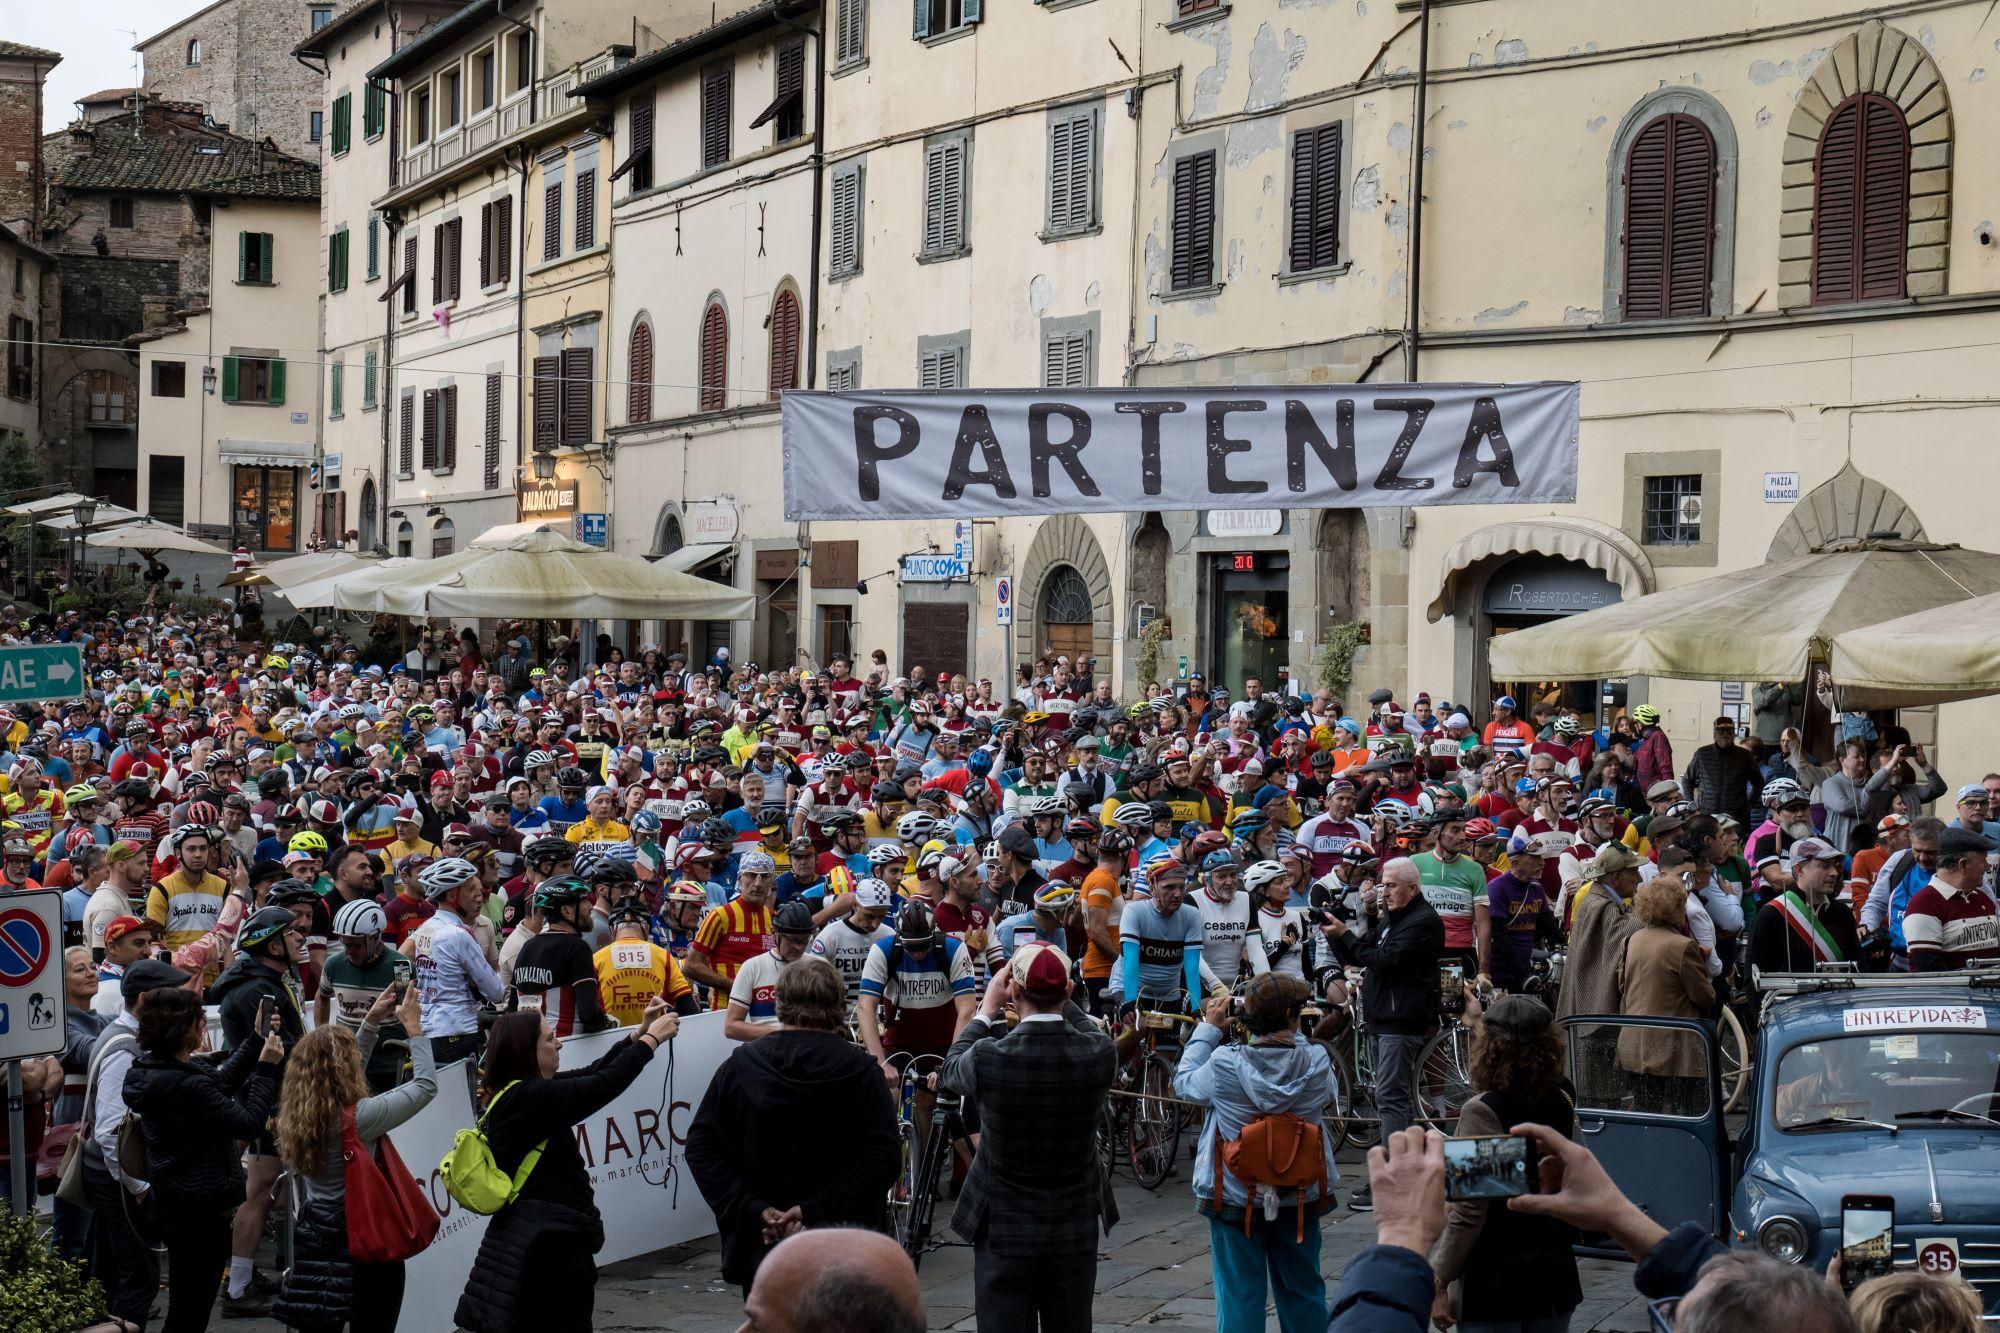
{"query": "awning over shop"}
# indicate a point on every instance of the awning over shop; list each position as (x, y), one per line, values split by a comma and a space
(1596, 544)
(1935, 656)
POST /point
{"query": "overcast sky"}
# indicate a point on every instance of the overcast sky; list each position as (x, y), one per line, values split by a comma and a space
(95, 39)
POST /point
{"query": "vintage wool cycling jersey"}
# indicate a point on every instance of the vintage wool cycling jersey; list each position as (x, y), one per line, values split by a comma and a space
(1224, 926)
(919, 993)
(630, 973)
(185, 907)
(847, 949)
(756, 988)
(1327, 837)
(1100, 889)
(556, 976)
(36, 817)
(1156, 946)
(731, 935)
(1454, 888)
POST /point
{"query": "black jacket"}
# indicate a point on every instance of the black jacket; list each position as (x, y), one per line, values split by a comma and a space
(237, 993)
(1399, 989)
(747, 1153)
(556, 1204)
(194, 1112)
(1037, 1186)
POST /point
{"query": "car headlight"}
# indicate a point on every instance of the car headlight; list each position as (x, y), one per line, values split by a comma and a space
(1783, 1239)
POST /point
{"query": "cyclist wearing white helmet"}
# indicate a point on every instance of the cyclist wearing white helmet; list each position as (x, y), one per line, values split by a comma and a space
(1790, 819)
(454, 974)
(356, 974)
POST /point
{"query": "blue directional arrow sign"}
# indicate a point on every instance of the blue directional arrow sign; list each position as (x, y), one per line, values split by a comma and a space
(32, 673)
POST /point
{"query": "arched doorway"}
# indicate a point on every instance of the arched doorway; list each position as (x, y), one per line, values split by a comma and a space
(1533, 590)
(406, 537)
(1066, 613)
(368, 535)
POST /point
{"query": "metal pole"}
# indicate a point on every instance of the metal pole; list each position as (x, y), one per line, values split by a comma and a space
(17, 1139)
(1417, 193)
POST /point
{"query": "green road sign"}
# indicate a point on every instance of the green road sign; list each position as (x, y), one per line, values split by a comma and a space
(34, 672)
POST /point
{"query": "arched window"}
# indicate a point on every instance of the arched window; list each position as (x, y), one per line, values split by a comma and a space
(406, 537)
(714, 353)
(1067, 612)
(1861, 201)
(639, 374)
(194, 50)
(1669, 218)
(367, 535)
(443, 534)
(784, 342)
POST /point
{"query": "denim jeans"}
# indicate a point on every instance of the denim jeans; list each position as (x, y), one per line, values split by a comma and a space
(1396, 1080)
(1269, 1258)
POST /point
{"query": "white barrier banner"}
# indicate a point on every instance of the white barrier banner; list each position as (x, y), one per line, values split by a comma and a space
(633, 1150)
(1010, 452)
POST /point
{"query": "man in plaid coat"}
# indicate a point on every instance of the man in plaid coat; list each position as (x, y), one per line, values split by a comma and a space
(1035, 1195)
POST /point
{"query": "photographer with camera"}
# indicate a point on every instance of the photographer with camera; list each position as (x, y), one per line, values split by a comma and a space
(1399, 991)
(1264, 1101)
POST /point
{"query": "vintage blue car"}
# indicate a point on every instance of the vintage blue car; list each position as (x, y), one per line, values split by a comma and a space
(1869, 1085)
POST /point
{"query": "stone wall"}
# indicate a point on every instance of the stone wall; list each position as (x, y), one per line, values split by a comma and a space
(247, 78)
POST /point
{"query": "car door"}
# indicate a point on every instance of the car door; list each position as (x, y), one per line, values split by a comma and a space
(1649, 1106)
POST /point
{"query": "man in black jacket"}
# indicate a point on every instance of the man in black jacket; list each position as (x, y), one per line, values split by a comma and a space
(1035, 1194)
(764, 1179)
(1399, 992)
(1722, 778)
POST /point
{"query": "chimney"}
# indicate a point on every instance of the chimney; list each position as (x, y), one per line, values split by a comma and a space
(23, 178)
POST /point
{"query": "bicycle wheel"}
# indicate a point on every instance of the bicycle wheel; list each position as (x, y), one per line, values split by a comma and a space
(1735, 1059)
(1155, 1130)
(1444, 1078)
(916, 1235)
(1334, 1119)
(1107, 1138)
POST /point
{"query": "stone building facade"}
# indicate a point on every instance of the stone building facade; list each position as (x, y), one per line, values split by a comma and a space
(234, 61)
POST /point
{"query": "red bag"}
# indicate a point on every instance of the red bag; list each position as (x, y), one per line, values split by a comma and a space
(389, 1219)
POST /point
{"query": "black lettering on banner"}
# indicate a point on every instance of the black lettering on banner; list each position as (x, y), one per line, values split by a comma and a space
(1416, 412)
(1485, 425)
(869, 455)
(648, 1124)
(614, 1139)
(583, 1146)
(975, 428)
(1149, 415)
(1302, 432)
(1041, 450)
(1220, 446)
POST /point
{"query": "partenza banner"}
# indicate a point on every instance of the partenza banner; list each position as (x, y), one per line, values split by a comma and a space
(949, 454)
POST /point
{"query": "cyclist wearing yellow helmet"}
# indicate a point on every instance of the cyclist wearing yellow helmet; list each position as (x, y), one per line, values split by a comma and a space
(1053, 918)
(1653, 757)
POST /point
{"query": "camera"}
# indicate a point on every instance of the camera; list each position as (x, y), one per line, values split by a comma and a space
(1451, 988)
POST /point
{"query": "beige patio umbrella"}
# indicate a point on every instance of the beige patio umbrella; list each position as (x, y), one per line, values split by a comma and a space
(1932, 657)
(541, 575)
(318, 592)
(294, 570)
(150, 536)
(1767, 622)
(107, 515)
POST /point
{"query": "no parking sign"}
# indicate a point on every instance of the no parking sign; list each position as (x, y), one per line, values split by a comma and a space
(31, 1021)
(1003, 600)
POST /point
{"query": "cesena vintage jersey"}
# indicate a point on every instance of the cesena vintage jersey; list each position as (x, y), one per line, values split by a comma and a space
(919, 993)
(630, 973)
(1223, 929)
(847, 949)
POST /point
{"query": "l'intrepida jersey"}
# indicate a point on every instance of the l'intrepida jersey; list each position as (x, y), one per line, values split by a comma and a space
(919, 993)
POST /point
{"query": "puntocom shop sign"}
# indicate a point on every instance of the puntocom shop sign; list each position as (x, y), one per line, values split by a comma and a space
(952, 454)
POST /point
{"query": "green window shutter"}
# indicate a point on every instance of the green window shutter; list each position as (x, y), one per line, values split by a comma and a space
(337, 390)
(265, 273)
(228, 379)
(333, 262)
(341, 108)
(243, 256)
(922, 21)
(970, 11)
(368, 378)
(277, 397)
(374, 246)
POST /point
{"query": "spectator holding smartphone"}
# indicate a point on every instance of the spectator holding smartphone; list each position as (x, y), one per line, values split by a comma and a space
(1517, 1067)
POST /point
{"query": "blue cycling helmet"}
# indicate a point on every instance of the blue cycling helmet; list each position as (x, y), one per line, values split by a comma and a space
(1221, 860)
(979, 763)
(645, 822)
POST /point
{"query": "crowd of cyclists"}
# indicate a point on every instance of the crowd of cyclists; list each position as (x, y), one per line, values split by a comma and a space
(294, 827)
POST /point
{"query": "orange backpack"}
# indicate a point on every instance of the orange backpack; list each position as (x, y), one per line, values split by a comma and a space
(1279, 1151)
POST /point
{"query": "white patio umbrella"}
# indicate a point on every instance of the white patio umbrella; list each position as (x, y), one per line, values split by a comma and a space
(318, 591)
(106, 516)
(294, 570)
(48, 504)
(1931, 657)
(150, 536)
(542, 575)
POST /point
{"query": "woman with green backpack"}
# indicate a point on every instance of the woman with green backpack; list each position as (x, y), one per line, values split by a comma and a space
(537, 1266)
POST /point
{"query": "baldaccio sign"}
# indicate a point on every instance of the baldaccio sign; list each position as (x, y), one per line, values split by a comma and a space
(918, 455)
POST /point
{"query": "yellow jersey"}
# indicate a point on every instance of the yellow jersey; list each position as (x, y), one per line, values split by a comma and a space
(630, 973)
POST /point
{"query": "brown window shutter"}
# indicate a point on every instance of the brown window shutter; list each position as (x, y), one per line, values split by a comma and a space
(548, 404)
(716, 86)
(552, 220)
(437, 265)
(1194, 221)
(784, 343)
(410, 272)
(577, 376)
(1315, 231)
(454, 258)
(586, 209)
(448, 428)
(1669, 219)
(1861, 202)
(503, 239)
(639, 155)
(404, 458)
(714, 369)
(491, 477)
(430, 433)
(486, 245)
(639, 375)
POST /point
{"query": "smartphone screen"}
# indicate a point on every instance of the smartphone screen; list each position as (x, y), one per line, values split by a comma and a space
(1451, 982)
(1867, 1237)
(1487, 1168)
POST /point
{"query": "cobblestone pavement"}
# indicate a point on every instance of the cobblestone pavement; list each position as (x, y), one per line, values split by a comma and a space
(1153, 1273)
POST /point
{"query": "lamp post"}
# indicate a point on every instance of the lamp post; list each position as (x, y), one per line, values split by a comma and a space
(85, 513)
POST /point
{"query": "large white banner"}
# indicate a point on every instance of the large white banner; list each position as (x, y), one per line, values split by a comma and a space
(633, 1150)
(953, 454)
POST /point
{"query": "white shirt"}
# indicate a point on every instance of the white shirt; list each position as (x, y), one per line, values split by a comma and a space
(1224, 927)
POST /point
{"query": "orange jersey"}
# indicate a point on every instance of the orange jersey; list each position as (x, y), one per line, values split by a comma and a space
(731, 935)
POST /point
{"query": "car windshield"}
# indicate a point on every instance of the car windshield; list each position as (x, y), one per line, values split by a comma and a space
(1891, 1078)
